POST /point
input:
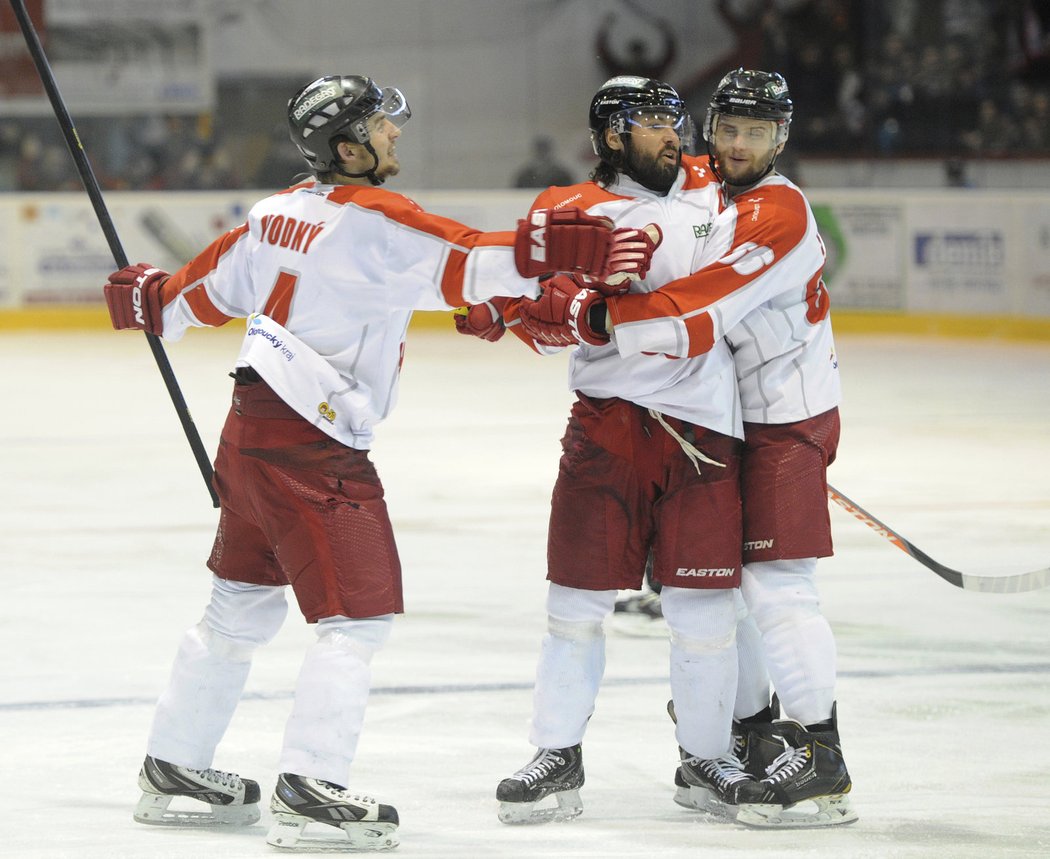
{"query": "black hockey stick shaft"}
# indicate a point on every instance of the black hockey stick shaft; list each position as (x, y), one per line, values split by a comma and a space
(988, 584)
(87, 176)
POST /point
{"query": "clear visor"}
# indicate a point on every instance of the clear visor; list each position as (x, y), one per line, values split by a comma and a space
(626, 121)
(394, 106)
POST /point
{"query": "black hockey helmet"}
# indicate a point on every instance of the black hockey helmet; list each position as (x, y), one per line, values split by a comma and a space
(339, 106)
(754, 94)
(620, 100)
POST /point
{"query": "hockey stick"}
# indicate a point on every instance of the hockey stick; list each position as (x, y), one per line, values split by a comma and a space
(87, 176)
(987, 584)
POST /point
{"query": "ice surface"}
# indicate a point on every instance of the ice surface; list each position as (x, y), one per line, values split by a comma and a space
(944, 695)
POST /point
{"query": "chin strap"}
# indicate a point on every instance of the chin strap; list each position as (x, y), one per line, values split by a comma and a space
(369, 174)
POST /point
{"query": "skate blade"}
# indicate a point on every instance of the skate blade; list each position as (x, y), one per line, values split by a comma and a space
(154, 810)
(699, 799)
(524, 813)
(831, 810)
(353, 836)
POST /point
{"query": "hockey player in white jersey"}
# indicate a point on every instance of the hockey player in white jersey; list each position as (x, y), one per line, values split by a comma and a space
(650, 462)
(327, 275)
(759, 288)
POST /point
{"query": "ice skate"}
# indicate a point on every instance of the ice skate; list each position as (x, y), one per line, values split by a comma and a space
(338, 820)
(638, 615)
(757, 741)
(806, 786)
(553, 773)
(710, 784)
(232, 800)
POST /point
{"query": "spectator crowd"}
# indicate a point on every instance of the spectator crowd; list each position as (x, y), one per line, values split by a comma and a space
(946, 79)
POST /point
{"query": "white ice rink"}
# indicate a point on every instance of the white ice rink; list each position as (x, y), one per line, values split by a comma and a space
(944, 695)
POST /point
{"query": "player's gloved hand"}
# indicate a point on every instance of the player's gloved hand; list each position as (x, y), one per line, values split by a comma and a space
(630, 255)
(566, 239)
(483, 320)
(133, 297)
(566, 313)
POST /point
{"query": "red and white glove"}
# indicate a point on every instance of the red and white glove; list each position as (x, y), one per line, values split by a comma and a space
(630, 255)
(566, 313)
(133, 298)
(483, 320)
(562, 240)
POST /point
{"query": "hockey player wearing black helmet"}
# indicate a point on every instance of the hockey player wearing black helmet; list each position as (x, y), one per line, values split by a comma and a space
(747, 125)
(331, 271)
(639, 127)
(348, 124)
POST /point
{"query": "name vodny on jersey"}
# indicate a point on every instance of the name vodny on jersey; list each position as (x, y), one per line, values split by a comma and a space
(289, 233)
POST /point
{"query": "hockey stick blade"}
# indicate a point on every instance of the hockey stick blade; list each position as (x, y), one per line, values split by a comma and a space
(1017, 583)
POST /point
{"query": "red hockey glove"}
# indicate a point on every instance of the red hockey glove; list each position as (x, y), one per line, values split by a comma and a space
(133, 298)
(631, 253)
(562, 240)
(483, 320)
(562, 315)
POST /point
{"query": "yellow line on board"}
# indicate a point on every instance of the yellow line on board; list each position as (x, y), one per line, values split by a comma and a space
(67, 317)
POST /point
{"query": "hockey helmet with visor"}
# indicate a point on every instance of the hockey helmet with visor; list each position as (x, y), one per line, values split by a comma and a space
(338, 107)
(625, 103)
(753, 94)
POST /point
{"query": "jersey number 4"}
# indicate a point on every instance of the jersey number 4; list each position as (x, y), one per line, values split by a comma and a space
(279, 304)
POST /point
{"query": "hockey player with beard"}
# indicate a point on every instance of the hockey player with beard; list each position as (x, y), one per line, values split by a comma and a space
(650, 462)
(757, 286)
(328, 274)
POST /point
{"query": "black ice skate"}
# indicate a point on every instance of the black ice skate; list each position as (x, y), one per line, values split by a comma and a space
(556, 773)
(711, 784)
(353, 822)
(758, 742)
(806, 786)
(233, 801)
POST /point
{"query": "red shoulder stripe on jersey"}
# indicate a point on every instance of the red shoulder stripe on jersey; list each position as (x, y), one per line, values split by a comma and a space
(770, 222)
(401, 209)
(698, 172)
(196, 270)
(452, 278)
(583, 195)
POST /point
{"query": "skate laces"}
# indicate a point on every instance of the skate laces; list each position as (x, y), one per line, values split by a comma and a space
(219, 777)
(343, 793)
(787, 764)
(725, 770)
(540, 768)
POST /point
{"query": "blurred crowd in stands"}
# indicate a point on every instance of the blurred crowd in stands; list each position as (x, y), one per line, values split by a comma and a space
(948, 79)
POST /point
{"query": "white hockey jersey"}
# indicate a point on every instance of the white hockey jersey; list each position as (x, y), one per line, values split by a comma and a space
(329, 276)
(699, 388)
(758, 285)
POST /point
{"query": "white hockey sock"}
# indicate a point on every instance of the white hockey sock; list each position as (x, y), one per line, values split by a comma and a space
(210, 670)
(703, 667)
(331, 694)
(196, 707)
(572, 662)
(752, 688)
(797, 639)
